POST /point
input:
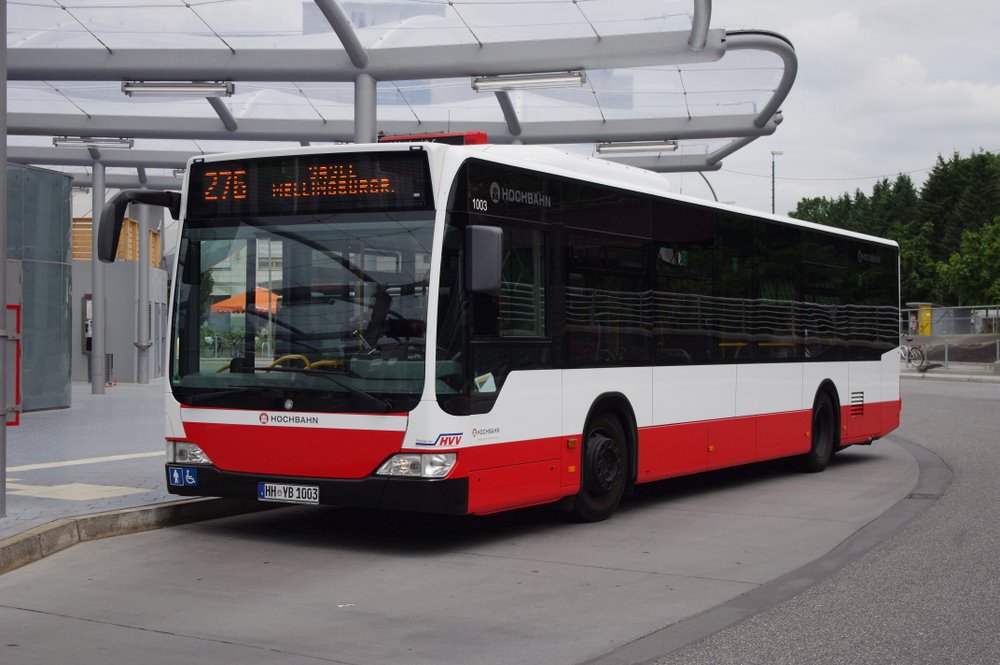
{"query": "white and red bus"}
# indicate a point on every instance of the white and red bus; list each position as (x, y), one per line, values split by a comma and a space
(470, 329)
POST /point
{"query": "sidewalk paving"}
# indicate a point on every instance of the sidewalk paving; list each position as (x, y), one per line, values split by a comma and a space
(91, 471)
(105, 452)
(971, 372)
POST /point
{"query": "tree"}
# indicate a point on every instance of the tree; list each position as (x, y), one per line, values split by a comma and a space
(973, 272)
(944, 231)
(960, 194)
(918, 271)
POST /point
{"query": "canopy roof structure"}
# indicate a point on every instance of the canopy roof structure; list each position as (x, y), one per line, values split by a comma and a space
(311, 71)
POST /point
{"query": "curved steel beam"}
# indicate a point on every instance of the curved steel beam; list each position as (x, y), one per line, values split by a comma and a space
(509, 112)
(384, 64)
(153, 159)
(82, 181)
(669, 163)
(772, 43)
(257, 129)
(728, 149)
(342, 25)
(221, 110)
(699, 24)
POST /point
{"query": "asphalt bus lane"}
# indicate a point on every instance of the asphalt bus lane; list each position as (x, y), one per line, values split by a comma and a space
(928, 593)
(308, 584)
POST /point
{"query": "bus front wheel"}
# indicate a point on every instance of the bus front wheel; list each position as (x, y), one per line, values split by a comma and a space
(824, 435)
(605, 463)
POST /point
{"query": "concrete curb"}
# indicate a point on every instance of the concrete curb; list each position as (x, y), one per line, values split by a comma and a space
(967, 378)
(934, 478)
(40, 542)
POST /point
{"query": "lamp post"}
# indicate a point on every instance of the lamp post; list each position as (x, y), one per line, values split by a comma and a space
(774, 153)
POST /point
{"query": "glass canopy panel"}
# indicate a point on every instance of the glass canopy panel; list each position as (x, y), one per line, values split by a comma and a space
(493, 22)
(263, 23)
(330, 93)
(162, 26)
(741, 83)
(407, 23)
(628, 16)
(735, 75)
(270, 100)
(39, 97)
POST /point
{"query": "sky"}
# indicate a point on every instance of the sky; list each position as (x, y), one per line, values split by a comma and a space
(883, 88)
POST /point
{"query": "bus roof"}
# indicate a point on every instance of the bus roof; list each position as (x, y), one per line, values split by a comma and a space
(556, 162)
(615, 174)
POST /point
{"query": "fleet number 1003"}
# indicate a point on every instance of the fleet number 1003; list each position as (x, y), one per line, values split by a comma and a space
(479, 205)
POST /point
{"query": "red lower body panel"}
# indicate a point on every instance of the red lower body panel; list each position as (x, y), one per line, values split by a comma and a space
(872, 421)
(300, 452)
(525, 473)
(676, 450)
(513, 475)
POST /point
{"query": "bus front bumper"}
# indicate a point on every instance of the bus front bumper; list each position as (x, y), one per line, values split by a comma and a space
(446, 496)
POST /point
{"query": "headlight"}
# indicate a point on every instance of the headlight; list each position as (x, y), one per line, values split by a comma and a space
(437, 465)
(185, 452)
(418, 465)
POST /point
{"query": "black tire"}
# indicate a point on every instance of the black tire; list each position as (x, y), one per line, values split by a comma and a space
(824, 435)
(604, 462)
(916, 357)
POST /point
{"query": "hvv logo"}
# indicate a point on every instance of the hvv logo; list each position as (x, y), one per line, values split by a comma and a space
(452, 439)
(449, 439)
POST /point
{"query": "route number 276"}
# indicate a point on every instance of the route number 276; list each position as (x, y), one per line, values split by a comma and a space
(225, 185)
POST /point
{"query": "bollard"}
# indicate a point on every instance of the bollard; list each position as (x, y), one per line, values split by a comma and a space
(946, 355)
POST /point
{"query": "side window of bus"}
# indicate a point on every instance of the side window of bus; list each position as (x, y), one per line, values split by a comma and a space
(778, 332)
(607, 284)
(518, 310)
(522, 295)
(823, 311)
(734, 321)
(681, 302)
(873, 300)
(509, 328)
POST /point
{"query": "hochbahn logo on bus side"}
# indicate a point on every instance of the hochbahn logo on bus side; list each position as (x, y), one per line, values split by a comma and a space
(499, 193)
(287, 419)
(868, 257)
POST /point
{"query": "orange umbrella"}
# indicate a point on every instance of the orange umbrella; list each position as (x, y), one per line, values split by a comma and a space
(238, 303)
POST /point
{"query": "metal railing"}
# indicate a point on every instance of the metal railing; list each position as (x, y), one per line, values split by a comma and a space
(936, 320)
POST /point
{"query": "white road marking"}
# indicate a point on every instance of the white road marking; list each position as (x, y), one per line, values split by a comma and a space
(72, 491)
(86, 460)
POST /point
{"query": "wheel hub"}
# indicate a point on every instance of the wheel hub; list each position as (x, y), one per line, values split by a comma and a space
(605, 461)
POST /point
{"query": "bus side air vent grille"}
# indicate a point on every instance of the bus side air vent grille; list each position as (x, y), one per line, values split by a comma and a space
(857, 404)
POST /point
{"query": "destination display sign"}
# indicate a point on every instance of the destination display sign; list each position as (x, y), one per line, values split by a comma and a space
(310, 184)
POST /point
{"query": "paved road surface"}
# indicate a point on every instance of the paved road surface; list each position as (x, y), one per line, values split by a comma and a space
(305, 585)
(929, 595)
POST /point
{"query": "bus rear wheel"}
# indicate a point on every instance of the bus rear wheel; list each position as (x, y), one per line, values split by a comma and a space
(605, 465)
(824, 435)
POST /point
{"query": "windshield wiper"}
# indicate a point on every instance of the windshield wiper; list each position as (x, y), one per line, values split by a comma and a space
(219, 394)
(382, 404)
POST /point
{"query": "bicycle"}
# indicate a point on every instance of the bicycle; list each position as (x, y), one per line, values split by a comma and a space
(912, 354)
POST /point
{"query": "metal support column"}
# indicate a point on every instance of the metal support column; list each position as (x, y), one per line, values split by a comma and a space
(142, 340)
(97, 378)
(365, 108)
(3, 256)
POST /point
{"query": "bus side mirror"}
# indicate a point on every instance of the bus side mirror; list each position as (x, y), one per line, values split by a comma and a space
(483, 258)
(113, 216)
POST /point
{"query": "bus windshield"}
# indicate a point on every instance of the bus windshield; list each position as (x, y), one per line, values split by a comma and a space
(305, 312)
